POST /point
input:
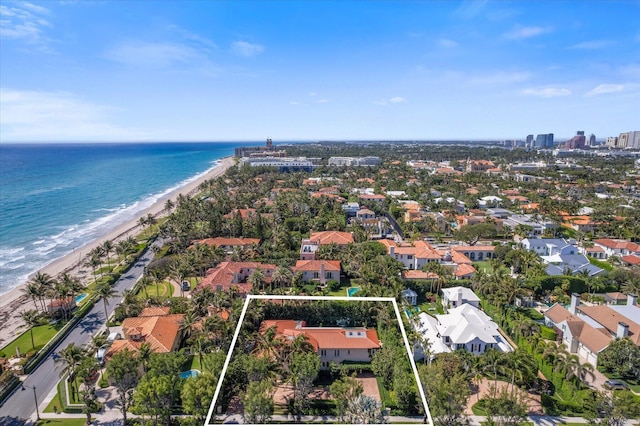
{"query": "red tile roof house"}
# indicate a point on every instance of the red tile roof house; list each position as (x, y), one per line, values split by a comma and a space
(316, 239)
(228, 275)
(333, 344)
(617, 247)
(56, 307)
(415, 255)
(229, 244)
(319, 271)
(154, 326)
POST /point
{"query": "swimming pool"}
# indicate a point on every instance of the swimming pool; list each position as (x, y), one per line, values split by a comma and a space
(352, 290)
(80, 297)
(189, 373)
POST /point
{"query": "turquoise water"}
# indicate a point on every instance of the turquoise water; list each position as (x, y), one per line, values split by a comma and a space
(56, 197)
(352, 290)
(80, 297)
(412, 311)
(189, 373)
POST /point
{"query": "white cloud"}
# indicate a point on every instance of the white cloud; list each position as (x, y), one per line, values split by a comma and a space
(312, 94)
(605, 88)
(520, 32)
(447, 43)
(246, 49)
(393, 100)
(591, 45)
(322, 101)
(33, 115)
(148, 54)
(547, 92)
(26, 22)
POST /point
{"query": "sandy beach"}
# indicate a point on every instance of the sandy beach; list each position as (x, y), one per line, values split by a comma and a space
(13, 303)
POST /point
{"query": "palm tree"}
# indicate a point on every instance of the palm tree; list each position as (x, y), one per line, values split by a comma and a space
(107, 246)
(144, 354)
(31, 319)
(188, 323)
(43, 282)
(282, 277)
(256, 279)
(105, 291)
(70, 357)
(32, 290)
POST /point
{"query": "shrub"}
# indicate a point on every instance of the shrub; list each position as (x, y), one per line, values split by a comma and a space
(548, 333)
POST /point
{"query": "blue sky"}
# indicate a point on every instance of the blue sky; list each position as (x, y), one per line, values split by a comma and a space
(316, 70)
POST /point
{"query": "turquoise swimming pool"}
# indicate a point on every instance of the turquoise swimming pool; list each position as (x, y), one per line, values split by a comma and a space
(189, 373)
(80, 297)
(352, 290)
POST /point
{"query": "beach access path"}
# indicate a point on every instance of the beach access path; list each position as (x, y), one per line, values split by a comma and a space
(13, 303)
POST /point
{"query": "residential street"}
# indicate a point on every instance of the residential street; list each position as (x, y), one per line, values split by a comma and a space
(19, 408)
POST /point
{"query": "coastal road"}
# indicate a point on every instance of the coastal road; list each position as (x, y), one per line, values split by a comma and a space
(19, 408)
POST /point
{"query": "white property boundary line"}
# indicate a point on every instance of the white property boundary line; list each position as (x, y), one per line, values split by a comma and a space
(329, 298)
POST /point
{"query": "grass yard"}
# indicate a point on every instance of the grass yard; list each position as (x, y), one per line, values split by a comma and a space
(432, 308)
(340, 293)
(41, 336)
(164, 289)
(62, 422)
(484, 266)
(54, 402)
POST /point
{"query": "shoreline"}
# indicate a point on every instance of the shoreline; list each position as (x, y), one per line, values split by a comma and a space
(14, 302)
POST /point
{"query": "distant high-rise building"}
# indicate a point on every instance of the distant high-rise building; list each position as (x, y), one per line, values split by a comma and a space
(612, 141)
(629, 140)
(576, 142)
(528, 141)
(592, 140)
(549, 141)
(544, 140)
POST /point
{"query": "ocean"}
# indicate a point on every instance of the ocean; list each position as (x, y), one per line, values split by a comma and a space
(56, 197)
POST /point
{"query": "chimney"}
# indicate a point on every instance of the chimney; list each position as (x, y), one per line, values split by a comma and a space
(322, 277)
(623, 330)
(459, 299)
(632, 299)
(575, 302)
(392, 250)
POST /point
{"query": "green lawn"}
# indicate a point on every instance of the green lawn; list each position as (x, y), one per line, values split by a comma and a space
(484, 266)
(164, 289)
(432, 308)
(61, 422)
(41, 336)
(54, 402)
(342, 292)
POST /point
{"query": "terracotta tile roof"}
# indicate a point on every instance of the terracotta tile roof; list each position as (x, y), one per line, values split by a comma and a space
(314, 265)
(618, 244)
(155, 311)
(371, 197)
(419, 275)
(331, 237)
(631, 259)
(326, 337)
(464, 270)
(161, 332)
(609, 319)
(121, 345)
(233, 274)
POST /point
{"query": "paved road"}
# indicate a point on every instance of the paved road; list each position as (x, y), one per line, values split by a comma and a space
(19, 408)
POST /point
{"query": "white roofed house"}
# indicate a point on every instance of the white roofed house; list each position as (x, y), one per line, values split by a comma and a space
(454, 297)
(410, 296)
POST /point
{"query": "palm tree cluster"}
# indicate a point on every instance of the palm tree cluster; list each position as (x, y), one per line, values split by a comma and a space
(43, 286)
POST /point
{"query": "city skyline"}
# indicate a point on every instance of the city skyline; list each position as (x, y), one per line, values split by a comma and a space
(236, 71)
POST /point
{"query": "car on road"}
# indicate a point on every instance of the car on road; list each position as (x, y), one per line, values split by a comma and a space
(186, 286)
(615, 385)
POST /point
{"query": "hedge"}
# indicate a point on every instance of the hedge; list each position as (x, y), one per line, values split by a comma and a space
(548, 333)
